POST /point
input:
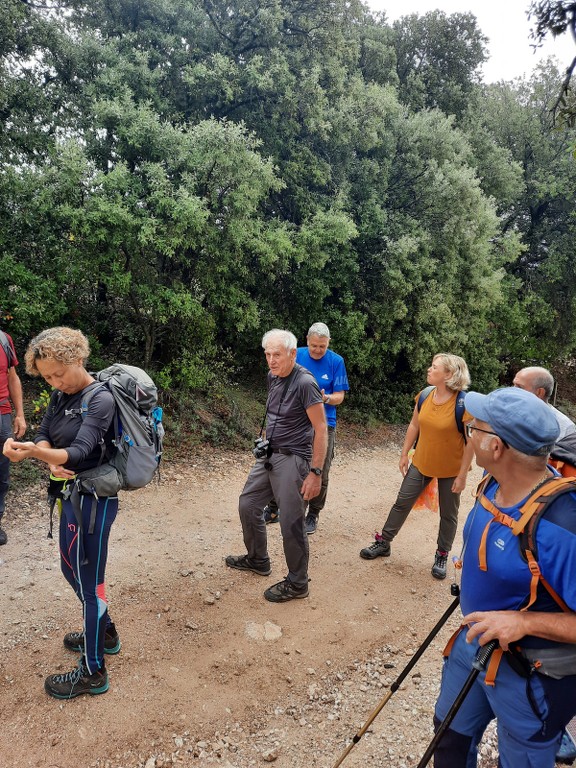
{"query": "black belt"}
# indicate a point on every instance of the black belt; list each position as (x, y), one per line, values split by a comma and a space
(283, 451)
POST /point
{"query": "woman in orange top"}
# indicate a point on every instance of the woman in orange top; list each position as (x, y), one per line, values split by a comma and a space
(441, 452)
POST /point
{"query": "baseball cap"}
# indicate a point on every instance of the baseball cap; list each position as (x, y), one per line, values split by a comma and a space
(520, 418)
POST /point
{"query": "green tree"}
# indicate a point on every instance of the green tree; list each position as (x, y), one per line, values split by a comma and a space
(542, 213)
(439, 59)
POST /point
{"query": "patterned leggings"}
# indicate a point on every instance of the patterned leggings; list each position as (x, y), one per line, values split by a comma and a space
(83, 562)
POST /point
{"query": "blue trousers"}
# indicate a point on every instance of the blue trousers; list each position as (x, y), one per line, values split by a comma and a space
(531, 713)
(87, 579)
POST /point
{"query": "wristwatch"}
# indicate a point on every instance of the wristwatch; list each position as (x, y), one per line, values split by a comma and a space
(316, 470)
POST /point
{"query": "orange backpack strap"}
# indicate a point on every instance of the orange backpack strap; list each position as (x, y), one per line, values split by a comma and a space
(542, 496)
(448, 647)
(497, 516)
(536, 577)
(492, 668)
(532, 511)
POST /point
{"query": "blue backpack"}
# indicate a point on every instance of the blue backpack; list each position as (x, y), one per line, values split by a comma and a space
(458, 410)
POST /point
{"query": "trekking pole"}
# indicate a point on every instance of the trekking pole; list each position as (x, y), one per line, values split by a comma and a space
(478, 665)
(402, 676)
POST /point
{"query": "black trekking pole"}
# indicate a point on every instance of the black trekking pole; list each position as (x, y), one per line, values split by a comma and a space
(402, 676)
(478, 665)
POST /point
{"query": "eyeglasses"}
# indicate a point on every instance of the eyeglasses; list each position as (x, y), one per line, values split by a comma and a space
(470, 428)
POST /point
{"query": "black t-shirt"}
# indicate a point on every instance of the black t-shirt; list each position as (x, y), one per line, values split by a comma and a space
(288, 425)
(64, 427)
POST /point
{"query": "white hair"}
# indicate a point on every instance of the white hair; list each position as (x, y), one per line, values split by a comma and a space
(319, 329)
(286, 338)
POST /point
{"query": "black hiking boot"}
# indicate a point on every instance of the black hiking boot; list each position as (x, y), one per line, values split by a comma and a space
(243, 563)
(74, 641)
(439, 567)
(284, 591)
(380, 548)
(77, 682)
(271, 515)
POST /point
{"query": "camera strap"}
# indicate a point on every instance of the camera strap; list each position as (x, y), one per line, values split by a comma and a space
(289, 378)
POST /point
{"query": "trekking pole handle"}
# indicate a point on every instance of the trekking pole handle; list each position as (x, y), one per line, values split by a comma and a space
(484, 654)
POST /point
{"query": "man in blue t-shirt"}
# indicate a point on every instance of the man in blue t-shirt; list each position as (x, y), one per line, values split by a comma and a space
(330, 372)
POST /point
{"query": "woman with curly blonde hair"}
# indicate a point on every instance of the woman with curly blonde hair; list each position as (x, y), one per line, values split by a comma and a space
(441, 452)
(74, 438)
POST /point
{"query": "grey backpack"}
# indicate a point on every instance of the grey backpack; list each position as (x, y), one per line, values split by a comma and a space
(138, 429)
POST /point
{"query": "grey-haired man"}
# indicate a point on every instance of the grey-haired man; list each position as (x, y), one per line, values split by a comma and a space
(289, 470)
(329, 370)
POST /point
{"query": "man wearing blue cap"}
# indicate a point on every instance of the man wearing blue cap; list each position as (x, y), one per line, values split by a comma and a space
(532, 690)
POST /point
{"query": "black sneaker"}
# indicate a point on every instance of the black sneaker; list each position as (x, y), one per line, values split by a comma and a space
(380, 548)
(284, 591)
(243, 563)
(77, 682)
(74, 641)
(271, 515)
(439, 567)
(311, 524)
(3, 536)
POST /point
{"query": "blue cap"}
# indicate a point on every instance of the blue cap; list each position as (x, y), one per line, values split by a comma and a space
(520, 418)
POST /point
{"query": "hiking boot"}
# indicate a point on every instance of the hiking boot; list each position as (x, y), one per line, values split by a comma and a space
(439, 567)
(380, 548)
(284, 591)
(567, 751)
(243, 563)
(77, 682)
(74, 641)
(271, 515)
(3, 537)
(311, 524)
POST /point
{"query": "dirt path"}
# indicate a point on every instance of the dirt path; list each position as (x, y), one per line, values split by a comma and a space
(210, 673)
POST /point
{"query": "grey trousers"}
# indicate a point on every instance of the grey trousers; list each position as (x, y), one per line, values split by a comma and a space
(412, 486)
(316, 505)
(282, 481)
(5, 433)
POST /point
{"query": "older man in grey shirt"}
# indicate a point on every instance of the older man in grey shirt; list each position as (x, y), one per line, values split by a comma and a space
(290, 469)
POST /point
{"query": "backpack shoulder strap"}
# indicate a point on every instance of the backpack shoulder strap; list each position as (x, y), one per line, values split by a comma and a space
(423, 395)
(5, 344)
(87, 394)
(525, 528)
(459, 413)
(539, 500)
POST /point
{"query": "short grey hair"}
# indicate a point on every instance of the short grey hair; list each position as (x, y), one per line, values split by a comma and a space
(319, 329)
(286, 338)
(540, 378)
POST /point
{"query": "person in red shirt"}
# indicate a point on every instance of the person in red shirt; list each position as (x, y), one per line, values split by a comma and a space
(10, 396)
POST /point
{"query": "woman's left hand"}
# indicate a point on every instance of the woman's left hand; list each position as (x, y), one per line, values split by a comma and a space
(459, 484)
(18, 451)
(61, 472)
